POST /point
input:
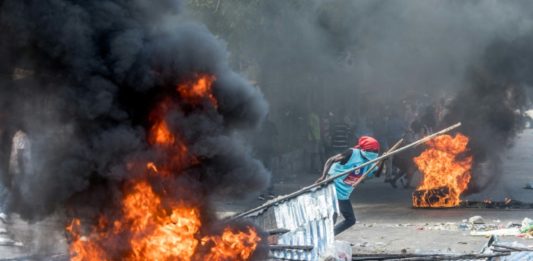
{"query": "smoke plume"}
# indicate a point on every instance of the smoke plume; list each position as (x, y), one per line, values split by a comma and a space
(81, 79)
(371, 58)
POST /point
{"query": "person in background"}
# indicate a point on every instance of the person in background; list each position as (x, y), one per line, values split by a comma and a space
(396, 129)
(5, 149)
(340, 134)
(403, 162)
(367, 149)
(313, 137)
(325, 133)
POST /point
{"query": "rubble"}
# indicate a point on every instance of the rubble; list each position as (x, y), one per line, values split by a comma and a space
(525, 229)
(513, 251)
(497, 232)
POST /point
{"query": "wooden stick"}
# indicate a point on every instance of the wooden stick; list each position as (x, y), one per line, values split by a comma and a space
(330, 179)
(513, 248)
(377, 164)
(290, 247)
(278, 231)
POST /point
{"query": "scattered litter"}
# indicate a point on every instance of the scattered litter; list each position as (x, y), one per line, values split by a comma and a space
(342, 251)
(527, 228)
(476, 220)
(510, 251)
(464, 227)
(498, 232)
(364, 244)
(513, 224)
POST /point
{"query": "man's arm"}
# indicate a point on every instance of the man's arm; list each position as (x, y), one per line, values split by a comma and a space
(337, 158)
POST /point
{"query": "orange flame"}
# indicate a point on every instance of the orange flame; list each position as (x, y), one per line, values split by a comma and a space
(151, 225)
(161, 134)
(82, 249)
(151, 166)
(199, 89)
(231, 243)
(441, 169)
(156, 233)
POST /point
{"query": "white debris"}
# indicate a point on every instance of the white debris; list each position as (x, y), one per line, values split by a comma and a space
(3, 217)
(498, 232)
(4, 241)
(476, 220)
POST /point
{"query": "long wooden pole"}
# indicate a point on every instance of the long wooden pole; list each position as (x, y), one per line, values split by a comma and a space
(398, 143)
(330, 179)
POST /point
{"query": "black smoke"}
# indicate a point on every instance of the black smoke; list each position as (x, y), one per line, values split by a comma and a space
(492, 104)
(81, 79)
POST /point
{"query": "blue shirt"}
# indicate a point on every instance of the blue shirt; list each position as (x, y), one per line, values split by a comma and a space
(355, 158)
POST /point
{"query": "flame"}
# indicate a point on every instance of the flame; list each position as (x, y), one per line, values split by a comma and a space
(199, 89)
(161, 134)
(148, 224)
(158, 233)
(230, 243)
(151, 166)
(442, 169)
(176, 149)
(82, 249)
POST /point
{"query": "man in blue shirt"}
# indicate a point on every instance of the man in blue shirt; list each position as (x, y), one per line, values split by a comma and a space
(367, 149)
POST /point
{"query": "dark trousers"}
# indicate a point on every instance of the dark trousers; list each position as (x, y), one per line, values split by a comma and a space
(345, 207)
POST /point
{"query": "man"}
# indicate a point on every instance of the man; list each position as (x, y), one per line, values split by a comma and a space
(367, 149)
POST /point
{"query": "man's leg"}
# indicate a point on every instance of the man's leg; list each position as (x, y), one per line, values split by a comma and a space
(345, 207)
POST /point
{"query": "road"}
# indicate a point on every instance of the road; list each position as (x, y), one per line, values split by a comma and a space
(388, 223)
(386, 220)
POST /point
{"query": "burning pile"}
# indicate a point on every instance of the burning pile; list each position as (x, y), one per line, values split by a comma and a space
(136, 122)
(151, 224)
(446, 172)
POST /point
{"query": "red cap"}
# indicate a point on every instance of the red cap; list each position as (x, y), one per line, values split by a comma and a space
(368, 143)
